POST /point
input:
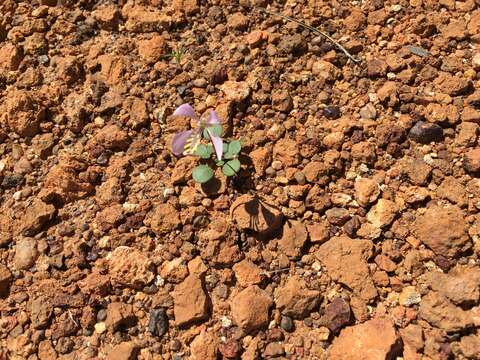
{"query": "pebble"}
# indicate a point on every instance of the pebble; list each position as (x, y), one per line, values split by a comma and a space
(409, 296)
(158, 322)
(424, 133)
(100, 327)
(286, 323)
(332, 112)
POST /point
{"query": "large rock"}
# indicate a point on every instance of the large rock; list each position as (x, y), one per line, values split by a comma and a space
(250, 308)
(130, 267)
(444, 230)
(251, 213)
(120, 316)
(21, 113)
(190, 301)
(375, 339)
(461, 285)
(437, 310)
(36, 216)
(295, 299)
(339, 251)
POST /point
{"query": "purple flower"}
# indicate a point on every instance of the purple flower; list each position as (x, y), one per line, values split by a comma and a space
(186, 142)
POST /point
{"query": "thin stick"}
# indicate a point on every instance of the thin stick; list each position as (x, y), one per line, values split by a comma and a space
(315, 30)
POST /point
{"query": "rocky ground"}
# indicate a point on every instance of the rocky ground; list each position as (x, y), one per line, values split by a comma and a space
(351, 232)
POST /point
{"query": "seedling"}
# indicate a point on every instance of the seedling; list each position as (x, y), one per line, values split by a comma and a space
(177, 54)
(213, 151)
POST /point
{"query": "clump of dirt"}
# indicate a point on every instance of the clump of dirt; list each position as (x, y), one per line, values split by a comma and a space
(351, 231)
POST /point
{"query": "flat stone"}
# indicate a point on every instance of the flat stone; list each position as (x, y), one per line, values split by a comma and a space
(294, 299)
(190, 301)
(250, 308)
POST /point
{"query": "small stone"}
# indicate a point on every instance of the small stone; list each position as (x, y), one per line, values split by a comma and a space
(383, 213)
(366, 191)
(293, 238)
(281, 101)
(409, 296)
(190, 301)
(26, 254)
(368, 112)
(250, 308)
(337, 216)
(120, 316)
(374, 339)
(337, 314)
(231, 349)
(124, 351)
(425, 133)
(204, 347)
(443, 229)
(274, 349)
(130, 267)
(332, 112)
(437, 310)
(471, 162)
(37, 215)
(286, 323)
(5, 280)
(158, 322)
(247, 273)
(295, 299)
(100, 327)
(165, 219)
(319, 232)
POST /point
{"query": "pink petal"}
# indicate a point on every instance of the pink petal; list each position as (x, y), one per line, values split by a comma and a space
(217, 144)
(185, 110)
(179, 141)
(213, 118)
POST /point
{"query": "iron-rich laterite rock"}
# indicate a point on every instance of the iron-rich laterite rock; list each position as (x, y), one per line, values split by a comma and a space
(158, 322)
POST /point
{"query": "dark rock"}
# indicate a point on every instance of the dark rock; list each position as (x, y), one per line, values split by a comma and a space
(424, 133)
(12, 180)
(286, 323)
(332, 112)
(230, 350)
(158, 322)
(337, 315)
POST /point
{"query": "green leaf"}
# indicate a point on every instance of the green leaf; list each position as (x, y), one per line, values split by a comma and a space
(225, 148)
(215, 129)
(220, 163)
(231, 168)
(204, 151)
(202, 173)
(234, 147)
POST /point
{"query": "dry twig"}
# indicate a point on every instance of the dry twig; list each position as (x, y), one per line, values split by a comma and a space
(315, 30)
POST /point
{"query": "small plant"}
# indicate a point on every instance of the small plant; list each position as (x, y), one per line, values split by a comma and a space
(189, 142)
(177, 54)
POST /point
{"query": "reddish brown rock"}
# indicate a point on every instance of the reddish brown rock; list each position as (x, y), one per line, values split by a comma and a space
(120, 316)
(319, 232)
(10, 57)
(152, 49)
(313, 170)
(470, 346)
(337, 252)
(471, 162)
(21, 113)
(254, 214)
(250, 308)
(443, 229)
(440, 312)
(461, 285)
(204, 347)
(130, 267)
(366, 191)
(294, 299)
(337, 314)
(164, 219)
(190, 301)
(452, 85)
(383, 213)
(261, 159)
(452, 190)
(124, 351)
(26, 253)
(247, 273)
(141, 19)
(286, 151)
(293, 238)
(188, 7)
(111, 137)
(375, 339)
(107, 16)
(36, 216)
(237, 21)
(5, 280)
